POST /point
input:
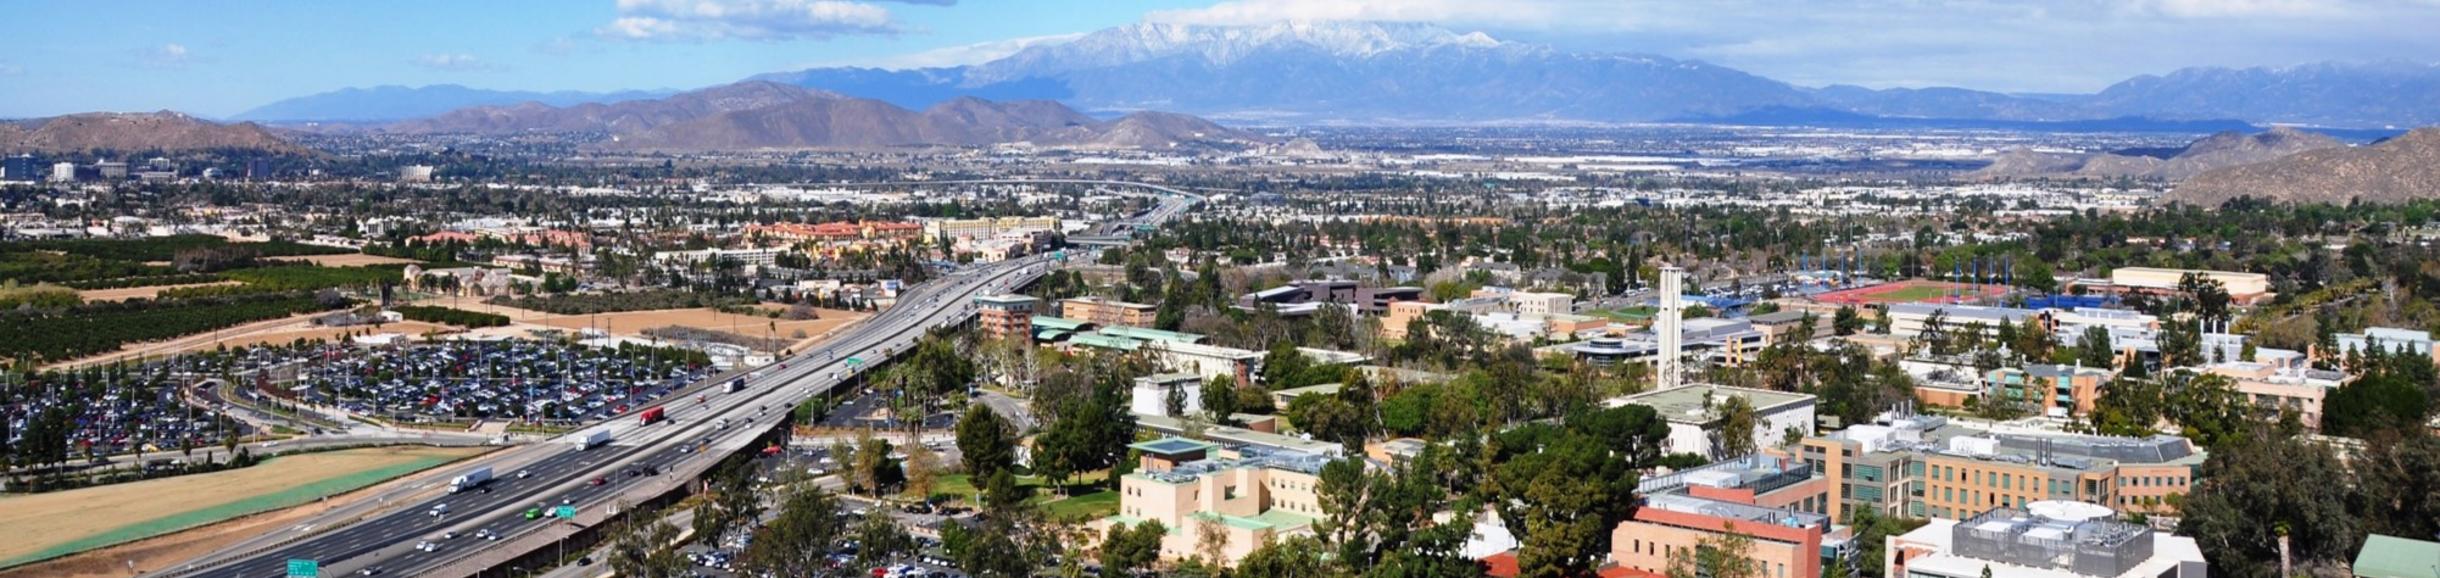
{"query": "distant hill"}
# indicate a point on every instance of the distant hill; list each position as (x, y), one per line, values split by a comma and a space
(389, 103)
(2372, 94)
(831, 121)
(2403, 168)
(168, 131)
(620, 117)
(2220, 150)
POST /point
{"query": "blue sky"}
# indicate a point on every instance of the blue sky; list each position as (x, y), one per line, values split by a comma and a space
(220, 58)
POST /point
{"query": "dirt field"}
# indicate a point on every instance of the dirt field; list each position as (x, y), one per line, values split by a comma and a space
(633, 323)
(271, 331)
(347, 260)
(43, 524)
(126, 293)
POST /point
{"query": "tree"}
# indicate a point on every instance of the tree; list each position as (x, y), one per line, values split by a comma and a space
(879, 539)
(643, 545)
(1131, 550)
(1384, 523)
(1220, 398)
(1295, 557)
(1737, 424)
(2244, 490)
(1846, 321)
(2128, 407)
(985, 442)
(1565, 487)
(2096, 349)
(732, 505)
(795, 542)
(922, 469)
(1727, 554)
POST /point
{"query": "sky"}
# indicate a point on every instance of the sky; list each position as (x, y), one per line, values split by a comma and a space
(220, 58)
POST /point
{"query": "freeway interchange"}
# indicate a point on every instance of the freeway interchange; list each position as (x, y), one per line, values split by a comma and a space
(700, 429)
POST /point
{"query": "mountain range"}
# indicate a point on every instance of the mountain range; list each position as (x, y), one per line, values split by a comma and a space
(2221, 150)
(393, 103)
(134, 132)
(2402, 168)
(1374, 72)
(769, 115)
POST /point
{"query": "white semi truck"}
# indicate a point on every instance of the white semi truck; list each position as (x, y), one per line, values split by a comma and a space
(470, 480)
(589, 439)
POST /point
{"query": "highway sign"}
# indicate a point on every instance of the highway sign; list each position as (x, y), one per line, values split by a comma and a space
(303, 568)
(853, 361)
(564, 512)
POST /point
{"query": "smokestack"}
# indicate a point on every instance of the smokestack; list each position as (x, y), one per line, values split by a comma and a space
(1667, 327)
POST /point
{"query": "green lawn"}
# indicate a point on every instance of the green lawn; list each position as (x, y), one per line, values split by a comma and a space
(1089, 501)
(1638, 313)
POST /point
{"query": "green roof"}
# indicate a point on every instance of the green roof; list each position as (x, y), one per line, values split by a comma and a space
(1147, 334)
(1278, 518)
(2395, 557)
(1270, 520)
(1105, 341)
(1049, 322)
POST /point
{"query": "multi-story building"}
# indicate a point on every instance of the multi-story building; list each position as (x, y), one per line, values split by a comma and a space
(1926, 466)
(111, 170)
(2051, 390)
(64, 172)
(2278, 390)
(20, 168)
(415, 174)
(1537, 304)
(2389, 340)
(1696, 424)
(1101, 311)
(2243, 288)
(1250, 497)
(1368, 300)
(2042, 539)
(1402, 314)
(764, 257)
(1908, 320)
(1773, 501)
(1006, 316)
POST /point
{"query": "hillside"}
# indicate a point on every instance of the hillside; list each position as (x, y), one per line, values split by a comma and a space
(2220, 150)
(168, 131)
(619, 117)
(830, 121)
(393, 103)
(2400, 169)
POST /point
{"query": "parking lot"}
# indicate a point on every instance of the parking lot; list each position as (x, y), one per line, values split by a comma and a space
(508, 379)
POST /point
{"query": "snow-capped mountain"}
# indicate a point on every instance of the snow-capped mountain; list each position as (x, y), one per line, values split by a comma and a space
(1219, 45)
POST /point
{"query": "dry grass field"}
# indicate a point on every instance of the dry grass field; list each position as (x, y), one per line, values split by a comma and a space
(56, 523)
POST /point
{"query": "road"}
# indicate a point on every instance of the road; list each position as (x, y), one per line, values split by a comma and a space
(697, 431)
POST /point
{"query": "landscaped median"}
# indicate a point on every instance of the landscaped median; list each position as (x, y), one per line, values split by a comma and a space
(50, 525)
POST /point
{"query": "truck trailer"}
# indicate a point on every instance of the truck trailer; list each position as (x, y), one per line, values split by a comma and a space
(470, 480)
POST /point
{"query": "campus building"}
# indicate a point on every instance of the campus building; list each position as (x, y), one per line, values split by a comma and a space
(1925, 466)
(1695, 422)
(2049, 390)
(2042, 539)
(1304, 296)
(1099, 311)
(1774, 501)
(1908, 320)
(2243, 288)
(1005, 316)
(2277, 390)
(1251, 497)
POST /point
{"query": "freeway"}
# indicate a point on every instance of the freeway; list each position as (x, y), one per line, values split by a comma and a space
(693, 437)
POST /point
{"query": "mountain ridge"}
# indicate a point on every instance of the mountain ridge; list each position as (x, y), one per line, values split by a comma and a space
(131, 132)
(2403, 168)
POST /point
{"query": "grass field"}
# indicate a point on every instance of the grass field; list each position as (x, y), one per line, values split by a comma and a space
(347, 260)
(147, 292)
(1629, 314)
(55, 524)
(1910, 291)
(1088, 503)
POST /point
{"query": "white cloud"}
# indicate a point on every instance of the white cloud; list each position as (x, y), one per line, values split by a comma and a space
(1243, 12)
(455, 62)
(746, 19)
(170, 55)
(960, 55)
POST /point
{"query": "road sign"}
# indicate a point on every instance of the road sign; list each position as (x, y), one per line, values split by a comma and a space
(564, 512)
(304, 568)
(853, 361)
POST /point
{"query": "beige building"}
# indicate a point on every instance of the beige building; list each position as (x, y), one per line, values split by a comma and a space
(2275, 390)
(1535, 304)
(2245, 288)
(1099, 311)
(1403, 313)
(1196, 489)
